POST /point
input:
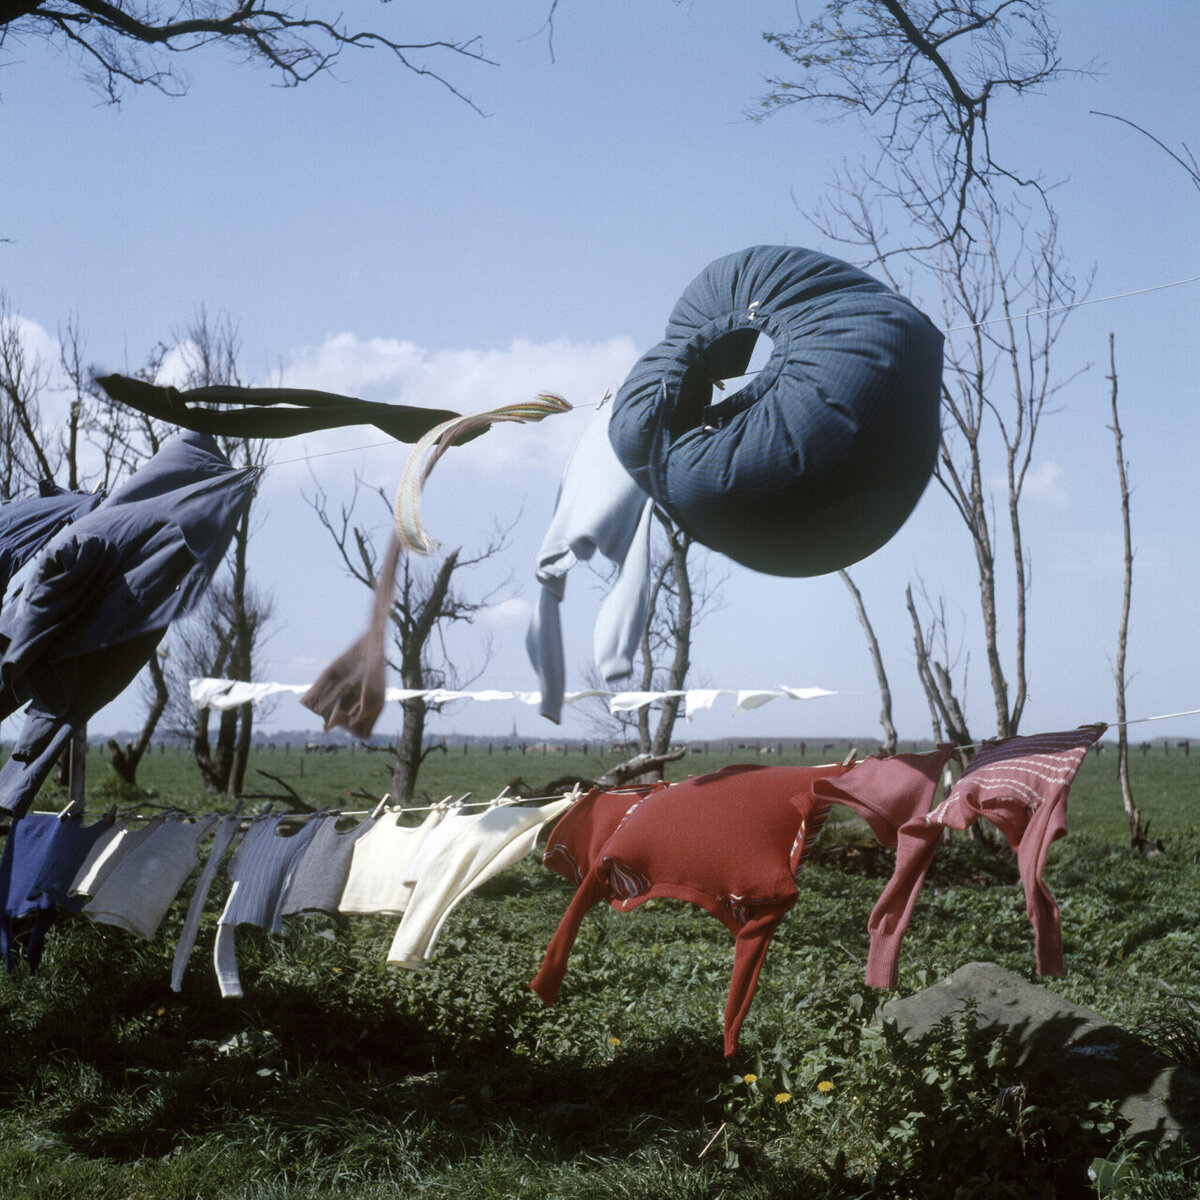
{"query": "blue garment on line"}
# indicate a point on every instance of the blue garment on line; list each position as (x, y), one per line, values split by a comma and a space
(27, 524)
(821, 458)
(102, 593)
(41, 856)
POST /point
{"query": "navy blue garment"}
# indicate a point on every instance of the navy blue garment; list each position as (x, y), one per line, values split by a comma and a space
(26, 525)
(71, 846)
(41, 852)
(821, 458)
(102, 593)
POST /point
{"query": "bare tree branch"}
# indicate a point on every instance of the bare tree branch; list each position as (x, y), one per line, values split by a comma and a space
(923, 74)
(1188, 163)
(424, 605)
(123, 43)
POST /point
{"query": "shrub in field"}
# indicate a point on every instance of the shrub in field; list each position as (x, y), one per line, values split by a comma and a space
(946, 1117)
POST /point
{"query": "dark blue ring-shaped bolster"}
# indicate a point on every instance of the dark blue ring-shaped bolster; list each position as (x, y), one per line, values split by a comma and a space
(822, 457)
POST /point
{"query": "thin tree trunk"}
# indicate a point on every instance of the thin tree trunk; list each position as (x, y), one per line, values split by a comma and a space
(885, 692)
(125, 759)
(939, 690)
(681, 660)
(77, 759)
(420, 624)
(408, 748)
(1133, 815)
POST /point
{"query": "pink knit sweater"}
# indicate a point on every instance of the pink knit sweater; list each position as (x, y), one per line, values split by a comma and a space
(1020, 785)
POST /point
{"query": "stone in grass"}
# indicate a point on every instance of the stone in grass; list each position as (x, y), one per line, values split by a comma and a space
(1159, 1099)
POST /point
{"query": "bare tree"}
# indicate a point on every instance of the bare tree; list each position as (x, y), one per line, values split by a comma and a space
(921, 75)
(945, 710)
(424, 607)
(1003, 285)
(668, 632)
(1005, 296)
(96, 443)
(28, 448)
(1138, 833)
(233, 621)
(238, 613)
(35, 447)
(220, 641)
(885, 691)
(121, 43)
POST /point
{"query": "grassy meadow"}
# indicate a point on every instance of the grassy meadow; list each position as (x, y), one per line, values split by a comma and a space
(337, 1076)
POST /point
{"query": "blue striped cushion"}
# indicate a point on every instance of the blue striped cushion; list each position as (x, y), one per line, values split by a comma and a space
(822, 457)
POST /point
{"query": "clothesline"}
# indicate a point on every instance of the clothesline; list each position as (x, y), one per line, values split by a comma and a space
(1041, 312)
(613, 851)
(1035, 312)
(380, 809)
(222, 694)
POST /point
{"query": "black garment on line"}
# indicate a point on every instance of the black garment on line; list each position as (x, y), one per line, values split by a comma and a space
(265, 419)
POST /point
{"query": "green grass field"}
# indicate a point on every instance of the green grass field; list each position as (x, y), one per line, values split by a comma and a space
(337, 1076)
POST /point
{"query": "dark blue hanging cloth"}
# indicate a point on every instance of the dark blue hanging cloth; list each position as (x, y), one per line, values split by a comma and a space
(821, 458)
(26, 525)
(42, 854)
(101, 595)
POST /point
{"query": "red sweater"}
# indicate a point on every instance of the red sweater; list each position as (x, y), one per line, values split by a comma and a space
(730, 842)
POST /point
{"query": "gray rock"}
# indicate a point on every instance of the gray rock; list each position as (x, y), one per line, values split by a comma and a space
(1159, 1099)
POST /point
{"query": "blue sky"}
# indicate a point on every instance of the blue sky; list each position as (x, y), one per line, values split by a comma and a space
(372, 234)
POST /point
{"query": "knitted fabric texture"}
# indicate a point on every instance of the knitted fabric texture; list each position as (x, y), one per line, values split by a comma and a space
(730, 842)
(1021, 785)
(893, 795)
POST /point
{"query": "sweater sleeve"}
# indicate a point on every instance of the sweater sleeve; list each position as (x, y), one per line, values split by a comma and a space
(548, 980)
(889, 918)
(749, 954)
(543, 644)
(1047, 825)
(623, 612)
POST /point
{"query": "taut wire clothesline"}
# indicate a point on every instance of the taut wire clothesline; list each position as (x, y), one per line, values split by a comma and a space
(1034, 312)
(1040, 312)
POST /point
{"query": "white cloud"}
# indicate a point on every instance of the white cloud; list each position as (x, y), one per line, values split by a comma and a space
(1046, 482)
(345, 363)
(41, 346)
(506, 614)
(464, 380)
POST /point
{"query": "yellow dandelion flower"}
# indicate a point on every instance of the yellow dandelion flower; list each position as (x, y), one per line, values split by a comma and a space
(826, 1085)
(783, 1097)
(158, 1012)
(750, 1078)
(614, 1041)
